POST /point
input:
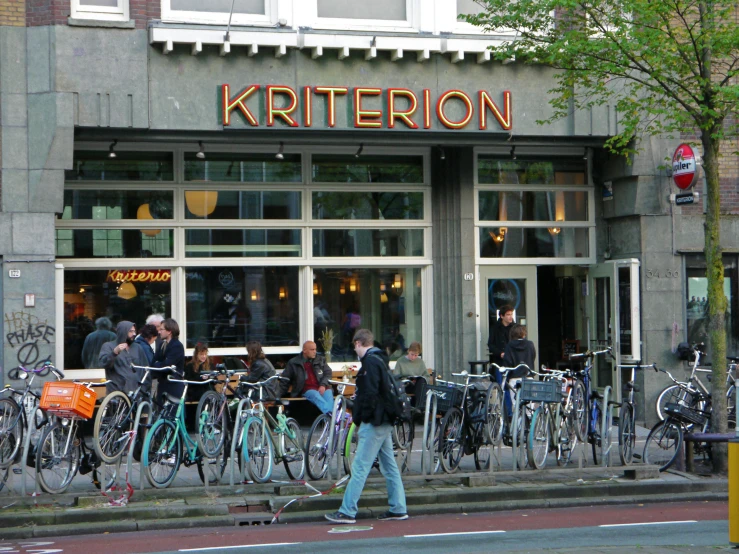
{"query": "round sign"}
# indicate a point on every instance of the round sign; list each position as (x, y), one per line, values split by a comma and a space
(684, 167)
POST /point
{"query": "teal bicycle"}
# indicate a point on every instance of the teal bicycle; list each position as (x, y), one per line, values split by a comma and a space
(162, 450)
(267, 440)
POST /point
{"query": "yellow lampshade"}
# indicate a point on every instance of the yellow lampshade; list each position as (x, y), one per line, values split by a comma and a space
(315, 288)
(201, 203)
(342, 288)
(383, 298)
(127, 291)
(352, 286)
(254, 295)
(398, 281)
(144, 213)
(283, 293)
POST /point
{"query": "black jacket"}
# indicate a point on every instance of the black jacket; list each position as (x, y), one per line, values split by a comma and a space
(519, 351)
(295, 371)
(499, 337)
(192, 373)
(260, 370)
(173, 355)
(369, 405)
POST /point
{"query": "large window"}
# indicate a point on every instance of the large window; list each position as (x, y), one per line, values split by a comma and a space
(95, 301)
(214, 219)
(387, 301)
(359, 14)
(228, 306)
(106, 10)
(245, 12)
(534, 209)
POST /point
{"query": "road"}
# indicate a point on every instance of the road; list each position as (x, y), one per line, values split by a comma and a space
(692, 526)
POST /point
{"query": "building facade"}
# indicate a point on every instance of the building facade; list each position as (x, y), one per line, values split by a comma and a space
(313, 167)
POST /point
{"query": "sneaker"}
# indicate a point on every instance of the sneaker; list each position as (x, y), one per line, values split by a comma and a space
(390, 516)
(338, 517)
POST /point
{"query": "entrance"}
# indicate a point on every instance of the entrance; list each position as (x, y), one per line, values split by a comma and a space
(508, 285)
(613, 313)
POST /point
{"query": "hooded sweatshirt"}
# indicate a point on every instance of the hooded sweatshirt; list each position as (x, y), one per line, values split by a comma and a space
(118, 367)
(519, 351)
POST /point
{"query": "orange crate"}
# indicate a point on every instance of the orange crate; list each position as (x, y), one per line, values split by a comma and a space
(68, 399)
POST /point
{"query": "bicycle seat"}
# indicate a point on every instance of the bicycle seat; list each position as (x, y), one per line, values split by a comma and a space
(172, 398)
(596, 395)
(631, 386)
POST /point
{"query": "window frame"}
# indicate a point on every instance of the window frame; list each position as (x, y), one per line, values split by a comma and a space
(268, 19)
(410, 24)
(102, 13)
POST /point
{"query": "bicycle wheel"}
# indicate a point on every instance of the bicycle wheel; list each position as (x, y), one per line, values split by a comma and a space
(432, 447)
(580, 410)
(350, 447)
(4, 473)
(162, 454)
(112, 421)
(493, 429)
(104, 475)
(663, 444)
(293, 450)
(257, 451)
(538, 439)
(11, 431)
(403, 434)
(626, 434)
(57, 457)
(520, 432)
(567, 439)
(211, 421)
(731, 407)
(317, 447)
(215, 468)
(451, 440)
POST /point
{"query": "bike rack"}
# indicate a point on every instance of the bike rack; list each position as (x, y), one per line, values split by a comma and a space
(234, 440)
(429, 430)
(514, 433)
(339, 401)
(26, 448)
(606, 461)
(129, 462)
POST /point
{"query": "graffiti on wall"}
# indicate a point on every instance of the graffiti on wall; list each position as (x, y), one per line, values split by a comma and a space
(26, 334)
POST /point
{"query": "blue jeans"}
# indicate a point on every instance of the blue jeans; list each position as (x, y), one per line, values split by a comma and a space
(374, 442)
(325, 403)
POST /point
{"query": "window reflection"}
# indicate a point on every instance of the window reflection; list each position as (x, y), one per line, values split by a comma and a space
(516, 242)
(387, 301)
(367, 205)
(228, 306)
(367, 242)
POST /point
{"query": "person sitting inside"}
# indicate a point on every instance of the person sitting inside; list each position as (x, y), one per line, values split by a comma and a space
(309, 377)
(411, 365)
(260, 369)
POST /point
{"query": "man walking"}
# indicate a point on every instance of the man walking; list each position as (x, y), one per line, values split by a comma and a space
(375, 435)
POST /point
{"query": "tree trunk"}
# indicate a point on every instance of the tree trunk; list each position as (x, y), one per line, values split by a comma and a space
(717, 301)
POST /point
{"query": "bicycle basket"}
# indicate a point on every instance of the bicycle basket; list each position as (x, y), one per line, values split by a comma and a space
(447, 397)
(541, 391)
(685, 413)
(72, 400)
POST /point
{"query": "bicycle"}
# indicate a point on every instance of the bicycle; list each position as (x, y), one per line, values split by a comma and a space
(553, 422)
(163, 445)
(502, 427)
(319, 452)
(594, 420)
(463, 429)
(115, 417)
(627, 416)
(13, 418)
(691, 408)
(267, 439)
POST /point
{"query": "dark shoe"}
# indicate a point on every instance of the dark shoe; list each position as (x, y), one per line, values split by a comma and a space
(338, 517)
(390, 516)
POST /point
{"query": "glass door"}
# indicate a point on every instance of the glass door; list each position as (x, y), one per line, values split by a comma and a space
(614, 315)
(514, 286)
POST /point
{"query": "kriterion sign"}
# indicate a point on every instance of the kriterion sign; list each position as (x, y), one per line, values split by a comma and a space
(371, 108)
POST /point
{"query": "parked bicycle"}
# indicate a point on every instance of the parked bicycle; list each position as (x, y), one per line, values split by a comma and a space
(163, 446)
(466, 429)
(690, 411)
(594, 419)
(627, 415)
(505, 426)
(554, 421)
(268, 439)
(321, 445)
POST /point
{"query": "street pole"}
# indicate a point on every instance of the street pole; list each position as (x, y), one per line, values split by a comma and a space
(734, 484)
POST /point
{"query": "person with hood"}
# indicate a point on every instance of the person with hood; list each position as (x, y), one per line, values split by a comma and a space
(94, 342)
(519, 350)
(374, 435)
(260, 368)
(118, 355)
(309, 377)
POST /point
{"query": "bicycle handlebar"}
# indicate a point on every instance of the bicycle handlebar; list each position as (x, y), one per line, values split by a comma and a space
(169, 378)
(260, 384)
(155, 369)
(593, 353)
(638, 366)
(90, 384)
(470, 375)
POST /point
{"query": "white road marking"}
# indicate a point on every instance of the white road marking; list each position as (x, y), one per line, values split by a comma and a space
(647, 523)
(452, 534)
(238, 546)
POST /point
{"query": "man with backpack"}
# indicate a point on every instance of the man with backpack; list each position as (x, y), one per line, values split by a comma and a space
(374, 407)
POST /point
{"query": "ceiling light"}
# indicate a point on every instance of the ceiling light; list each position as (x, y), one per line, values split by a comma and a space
(201, 153)
(111, 150)
(513, 153)
(442, 155)
(359, 150)
(280, 153)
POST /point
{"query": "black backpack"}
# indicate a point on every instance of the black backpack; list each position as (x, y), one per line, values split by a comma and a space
(397, 403)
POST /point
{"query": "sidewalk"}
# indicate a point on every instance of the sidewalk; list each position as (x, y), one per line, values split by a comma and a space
(84, 510)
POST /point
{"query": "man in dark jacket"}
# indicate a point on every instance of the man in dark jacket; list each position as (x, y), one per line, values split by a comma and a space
(309, 377)
(170, 353)
(375, 435)
(500, 334)
(94, 342)
(117, 356)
